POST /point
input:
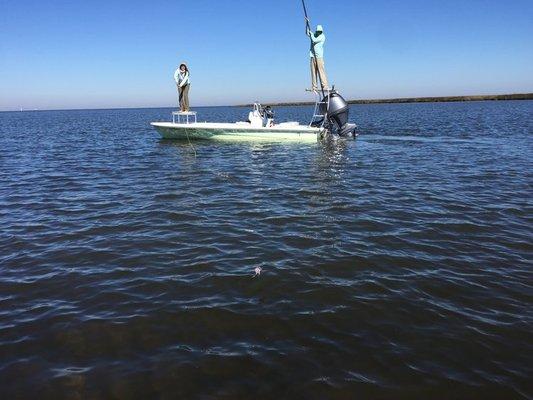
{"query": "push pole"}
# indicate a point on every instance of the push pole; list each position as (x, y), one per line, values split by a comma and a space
(308, 29)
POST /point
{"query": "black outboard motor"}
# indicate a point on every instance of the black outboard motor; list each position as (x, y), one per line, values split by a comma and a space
(337, 115)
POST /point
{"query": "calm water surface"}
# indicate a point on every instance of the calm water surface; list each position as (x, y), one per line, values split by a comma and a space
(395, 266)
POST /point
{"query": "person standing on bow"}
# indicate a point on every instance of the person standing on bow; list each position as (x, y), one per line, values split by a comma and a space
(317, 57)
(183, 82)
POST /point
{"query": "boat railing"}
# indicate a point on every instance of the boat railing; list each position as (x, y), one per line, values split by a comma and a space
(183, 117)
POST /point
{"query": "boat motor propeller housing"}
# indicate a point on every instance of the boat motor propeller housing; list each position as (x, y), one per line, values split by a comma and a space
(337, 115)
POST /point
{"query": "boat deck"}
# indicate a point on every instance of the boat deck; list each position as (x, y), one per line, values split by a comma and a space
(236, 131)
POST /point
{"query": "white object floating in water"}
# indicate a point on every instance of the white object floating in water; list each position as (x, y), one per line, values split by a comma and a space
(257, 271)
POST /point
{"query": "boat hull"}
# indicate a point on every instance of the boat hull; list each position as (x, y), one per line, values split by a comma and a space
(236, 132)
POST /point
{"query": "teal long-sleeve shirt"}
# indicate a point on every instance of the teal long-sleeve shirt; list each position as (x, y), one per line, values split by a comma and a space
(317, 43)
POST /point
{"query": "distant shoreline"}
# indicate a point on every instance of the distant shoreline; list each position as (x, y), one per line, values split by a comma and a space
(495, 97)
(443, 99)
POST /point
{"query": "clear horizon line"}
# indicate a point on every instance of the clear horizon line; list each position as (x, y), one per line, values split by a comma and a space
(295, 103)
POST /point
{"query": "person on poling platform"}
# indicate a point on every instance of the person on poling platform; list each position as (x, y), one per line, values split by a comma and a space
(269, 116)
(183, 83)
(317, 57)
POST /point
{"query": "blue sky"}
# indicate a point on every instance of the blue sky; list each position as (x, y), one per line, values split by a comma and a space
(98, 54)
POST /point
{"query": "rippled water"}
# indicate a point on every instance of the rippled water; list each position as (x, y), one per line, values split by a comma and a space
(395, 266)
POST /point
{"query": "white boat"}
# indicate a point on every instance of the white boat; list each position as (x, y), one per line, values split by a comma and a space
(259, 127)
(330, 118)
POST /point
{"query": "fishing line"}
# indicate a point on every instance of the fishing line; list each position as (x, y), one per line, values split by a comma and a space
(190, 143)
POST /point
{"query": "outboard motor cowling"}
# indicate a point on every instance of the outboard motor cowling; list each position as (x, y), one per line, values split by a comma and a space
(337, 115)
